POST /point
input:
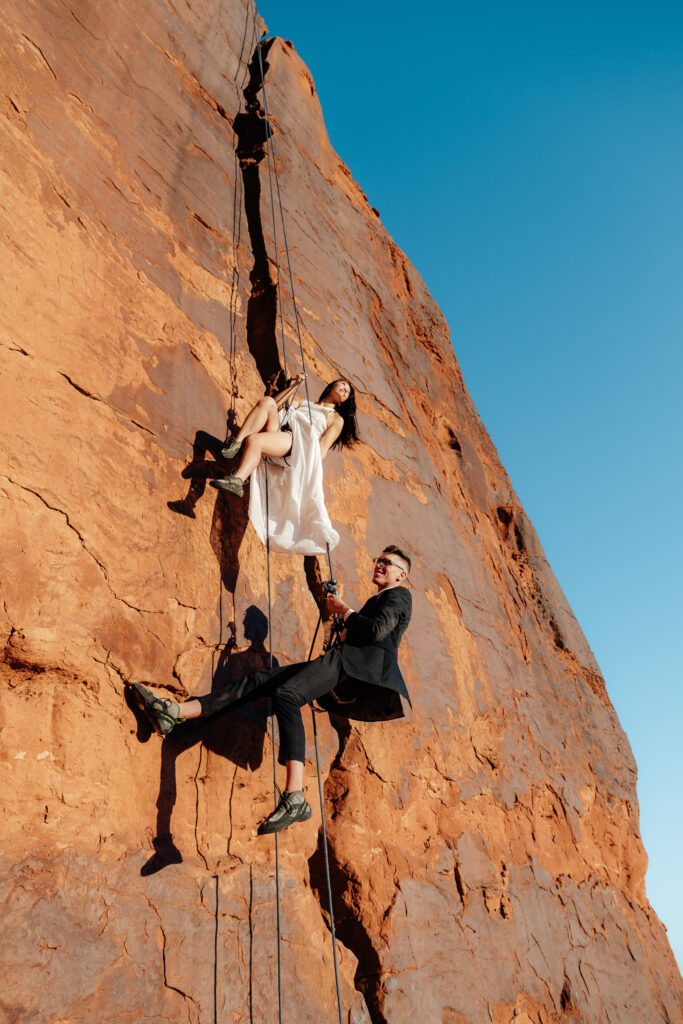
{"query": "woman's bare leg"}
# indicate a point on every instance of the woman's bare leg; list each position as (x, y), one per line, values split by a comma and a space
(263, 416)
(275, 443)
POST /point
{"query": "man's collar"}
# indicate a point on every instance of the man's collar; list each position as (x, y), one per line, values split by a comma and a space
(384, 589)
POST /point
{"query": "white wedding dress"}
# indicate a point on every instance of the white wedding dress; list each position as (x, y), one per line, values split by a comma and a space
(298, 522)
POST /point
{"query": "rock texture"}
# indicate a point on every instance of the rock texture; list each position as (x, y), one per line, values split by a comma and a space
(486, 859)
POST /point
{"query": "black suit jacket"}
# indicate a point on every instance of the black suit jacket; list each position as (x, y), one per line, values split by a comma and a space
(372, 685)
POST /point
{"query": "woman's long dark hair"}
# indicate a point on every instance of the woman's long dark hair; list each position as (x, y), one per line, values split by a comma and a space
(347, 411)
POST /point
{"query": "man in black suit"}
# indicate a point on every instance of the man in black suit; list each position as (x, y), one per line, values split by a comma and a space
(359, 677)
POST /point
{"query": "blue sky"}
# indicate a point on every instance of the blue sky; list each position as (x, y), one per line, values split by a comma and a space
(528, 158)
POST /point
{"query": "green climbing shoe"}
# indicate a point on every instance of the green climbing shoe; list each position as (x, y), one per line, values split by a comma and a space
(292, 807)
(231, 448)
(229, 483)
(163, 713)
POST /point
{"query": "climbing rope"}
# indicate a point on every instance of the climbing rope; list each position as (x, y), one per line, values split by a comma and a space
(275, 797)
(270, 158)
(273, 174)
(322, 807)
(246, 47)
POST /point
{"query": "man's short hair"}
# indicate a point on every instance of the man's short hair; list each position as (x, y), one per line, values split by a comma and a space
(391, 549)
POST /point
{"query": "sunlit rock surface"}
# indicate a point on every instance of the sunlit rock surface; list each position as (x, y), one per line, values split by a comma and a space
(486, 859)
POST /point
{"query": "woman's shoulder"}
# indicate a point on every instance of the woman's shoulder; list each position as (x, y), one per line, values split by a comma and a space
(334, 424)
(333, 417)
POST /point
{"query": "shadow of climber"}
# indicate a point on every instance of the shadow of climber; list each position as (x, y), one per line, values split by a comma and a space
(230, 514)
(238, 736)
(198, 470)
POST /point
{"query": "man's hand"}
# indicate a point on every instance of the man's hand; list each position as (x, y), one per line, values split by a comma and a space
(336, 605)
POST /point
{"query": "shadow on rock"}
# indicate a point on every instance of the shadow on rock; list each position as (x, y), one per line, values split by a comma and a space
(230, 514)
(144, 729)
(236, 736)
(345, 885)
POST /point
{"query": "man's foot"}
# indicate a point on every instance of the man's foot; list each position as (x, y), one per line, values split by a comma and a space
(229, 483)
(231, 448)
(163, 713)
(292, 807)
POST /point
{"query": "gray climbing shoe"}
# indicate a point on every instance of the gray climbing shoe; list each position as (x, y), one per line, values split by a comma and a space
(229, 483)
(163, 713)
(231, 448)
(292, 807)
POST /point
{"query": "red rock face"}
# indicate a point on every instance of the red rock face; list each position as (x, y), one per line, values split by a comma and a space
(486, 860)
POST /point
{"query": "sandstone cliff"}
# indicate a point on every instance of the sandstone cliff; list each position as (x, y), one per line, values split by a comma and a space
(485, 851)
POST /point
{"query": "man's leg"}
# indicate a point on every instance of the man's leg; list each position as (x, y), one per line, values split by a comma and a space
(249, 688)
(165, 713)
(312, 680)
(292, 686)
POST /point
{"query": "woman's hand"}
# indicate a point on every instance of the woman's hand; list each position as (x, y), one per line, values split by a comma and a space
(287, 393)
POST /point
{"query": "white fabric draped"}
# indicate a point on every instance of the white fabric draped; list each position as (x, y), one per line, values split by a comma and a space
(298, 520)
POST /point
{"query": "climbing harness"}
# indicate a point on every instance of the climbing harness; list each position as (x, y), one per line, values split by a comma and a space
(328, 587)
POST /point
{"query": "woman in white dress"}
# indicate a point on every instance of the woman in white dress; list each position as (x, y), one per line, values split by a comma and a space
(287, 443)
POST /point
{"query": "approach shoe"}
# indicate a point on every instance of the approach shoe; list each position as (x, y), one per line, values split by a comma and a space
(163, 713)
(292, 807)
(229, 483)
(231, 448)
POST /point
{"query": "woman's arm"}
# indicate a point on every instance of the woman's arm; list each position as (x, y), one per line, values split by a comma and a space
(334, 429)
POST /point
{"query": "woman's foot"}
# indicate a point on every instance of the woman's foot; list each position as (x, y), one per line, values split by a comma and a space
(163, 713)
(231, 448)
(291, 808)
(234, 484)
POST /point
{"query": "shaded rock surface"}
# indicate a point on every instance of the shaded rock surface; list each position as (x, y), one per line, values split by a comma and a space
(486, 858)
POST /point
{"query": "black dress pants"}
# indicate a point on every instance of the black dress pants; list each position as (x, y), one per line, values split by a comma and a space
(291, 687)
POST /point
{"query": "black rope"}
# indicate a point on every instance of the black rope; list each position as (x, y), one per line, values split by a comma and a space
(331, 588)
(273, 172)
(270, 149)
(246, 47)
(270, 158)
(270, 608)
(275, 796)
(327, 867)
